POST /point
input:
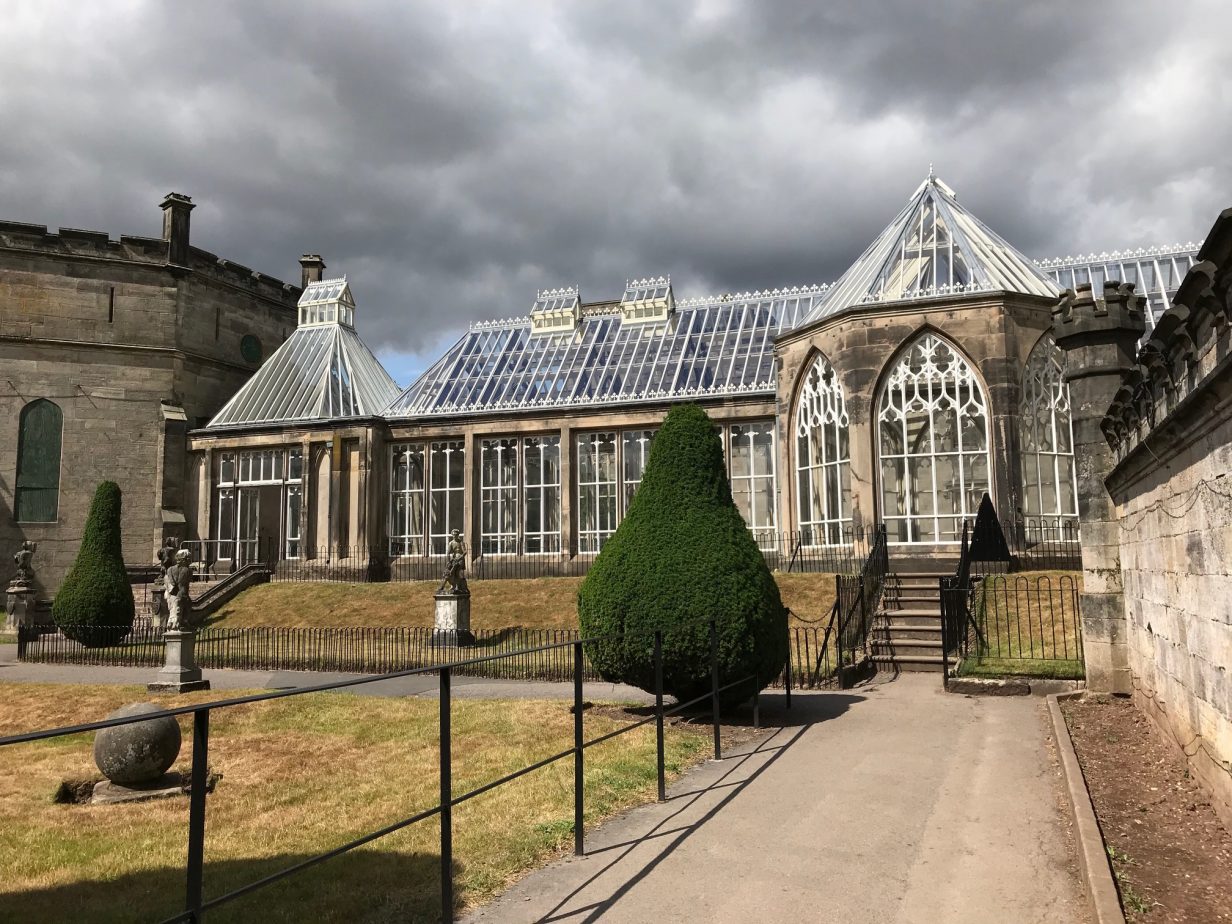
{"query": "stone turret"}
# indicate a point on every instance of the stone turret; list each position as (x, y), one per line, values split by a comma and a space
(1100, 336)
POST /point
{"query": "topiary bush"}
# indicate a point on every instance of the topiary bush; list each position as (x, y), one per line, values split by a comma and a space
(683, 555)
(94, 605)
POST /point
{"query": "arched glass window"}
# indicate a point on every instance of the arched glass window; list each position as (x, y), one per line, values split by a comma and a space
(1045, 422)
(823, 459)
(39, 433)
(932, 426)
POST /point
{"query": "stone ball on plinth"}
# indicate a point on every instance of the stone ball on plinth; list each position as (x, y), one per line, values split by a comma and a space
(140, 751)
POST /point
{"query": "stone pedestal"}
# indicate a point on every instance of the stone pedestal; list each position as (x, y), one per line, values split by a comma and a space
(453, 620)
(16, 605)
(158, 616)
(180, 673)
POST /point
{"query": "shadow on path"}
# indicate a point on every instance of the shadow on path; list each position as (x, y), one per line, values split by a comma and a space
(807, 710)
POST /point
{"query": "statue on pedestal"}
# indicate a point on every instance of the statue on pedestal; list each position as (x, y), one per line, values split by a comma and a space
(455, 566)
(453, 598)
(164, 559)
(22, 559)
(175, 589)
(17, 596)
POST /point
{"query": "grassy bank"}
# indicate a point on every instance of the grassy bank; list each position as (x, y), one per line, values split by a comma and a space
(539, 603)
(302, 775)
(1028, 624)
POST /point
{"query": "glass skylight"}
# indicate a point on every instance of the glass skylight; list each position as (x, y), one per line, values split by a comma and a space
(934, 247)
(712, 346)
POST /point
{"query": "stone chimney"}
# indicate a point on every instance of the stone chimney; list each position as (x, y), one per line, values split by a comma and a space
(176, 208)
(312, 269)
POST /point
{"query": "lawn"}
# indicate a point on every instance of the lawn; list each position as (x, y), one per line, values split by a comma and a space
(301, 775)
(539, 603)
(1029, 624)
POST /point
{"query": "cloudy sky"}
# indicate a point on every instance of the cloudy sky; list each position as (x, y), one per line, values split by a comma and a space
(453, 157)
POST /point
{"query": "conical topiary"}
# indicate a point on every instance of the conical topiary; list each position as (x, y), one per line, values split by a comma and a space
(94, 605)
(682, 556)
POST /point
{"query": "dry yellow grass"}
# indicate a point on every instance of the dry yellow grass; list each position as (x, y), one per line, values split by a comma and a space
(1030, 624)
(301, 775)
(539, 603)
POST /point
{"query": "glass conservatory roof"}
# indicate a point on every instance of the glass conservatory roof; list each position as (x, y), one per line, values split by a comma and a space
(323, 371)
(933, 247)
(707, 347)
(1155, 271)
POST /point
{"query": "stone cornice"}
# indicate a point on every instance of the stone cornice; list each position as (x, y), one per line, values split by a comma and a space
(1184, 367)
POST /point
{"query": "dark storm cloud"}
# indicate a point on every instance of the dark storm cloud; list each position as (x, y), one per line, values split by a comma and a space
(453, 157)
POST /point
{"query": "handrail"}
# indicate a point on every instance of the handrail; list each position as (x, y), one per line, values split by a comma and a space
(195, 903)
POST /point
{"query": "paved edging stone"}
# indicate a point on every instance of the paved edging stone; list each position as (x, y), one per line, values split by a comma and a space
(1013, 686)
(1092, 855)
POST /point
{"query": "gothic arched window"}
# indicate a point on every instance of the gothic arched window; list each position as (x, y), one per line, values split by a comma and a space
(932, 426)
(39, 432)
(1045, 422)
(823, 459)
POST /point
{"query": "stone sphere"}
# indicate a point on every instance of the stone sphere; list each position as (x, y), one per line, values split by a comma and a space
(139, 752)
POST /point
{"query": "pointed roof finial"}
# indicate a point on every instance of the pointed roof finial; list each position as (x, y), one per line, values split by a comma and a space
(931, 176)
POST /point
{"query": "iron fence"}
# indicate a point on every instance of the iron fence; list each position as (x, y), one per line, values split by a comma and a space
(377, 650)
(1017, 613)
(195, 901)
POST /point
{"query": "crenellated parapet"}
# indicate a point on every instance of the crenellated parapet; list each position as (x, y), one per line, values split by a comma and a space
(74, 243)
(1174, 370)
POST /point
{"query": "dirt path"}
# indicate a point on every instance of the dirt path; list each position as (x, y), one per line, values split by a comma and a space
(893, 802)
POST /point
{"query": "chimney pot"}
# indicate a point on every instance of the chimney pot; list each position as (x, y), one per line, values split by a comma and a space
(176, 208)
(312, 269)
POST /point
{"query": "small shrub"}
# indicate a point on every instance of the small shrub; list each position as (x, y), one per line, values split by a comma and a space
(94, 605)
(682, 556)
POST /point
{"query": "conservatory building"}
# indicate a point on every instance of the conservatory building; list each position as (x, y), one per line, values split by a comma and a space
(923, 378)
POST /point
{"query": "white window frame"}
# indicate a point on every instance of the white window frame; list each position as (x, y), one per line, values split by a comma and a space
(927, 386)
(823, 457)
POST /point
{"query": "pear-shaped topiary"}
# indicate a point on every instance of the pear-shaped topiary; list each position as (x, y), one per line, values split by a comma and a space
(94, 605)
(682, 556)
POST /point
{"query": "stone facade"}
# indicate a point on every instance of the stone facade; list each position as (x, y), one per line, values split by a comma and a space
(136, 341)
(1170, 429)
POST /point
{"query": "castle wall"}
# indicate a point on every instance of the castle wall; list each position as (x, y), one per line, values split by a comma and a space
(134, 351)
(1171, 429)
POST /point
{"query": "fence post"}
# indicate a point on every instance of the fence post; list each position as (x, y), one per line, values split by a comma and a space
(658, 665)
(787, 678)
(714, 685)
(446, 802)
(946, 603)
(838, 634)
(196, 813)
(578, 792)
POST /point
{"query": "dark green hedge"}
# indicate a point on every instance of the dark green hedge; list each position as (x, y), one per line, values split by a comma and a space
(683, 555)
(94, 605)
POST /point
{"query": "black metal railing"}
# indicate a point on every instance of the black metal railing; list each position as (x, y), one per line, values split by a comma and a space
(1007, 607)
(195, 902)
(381, 649)
(845, 639)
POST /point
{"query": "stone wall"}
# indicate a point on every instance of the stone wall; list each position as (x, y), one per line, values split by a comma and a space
(134, 350)
(1171, 429)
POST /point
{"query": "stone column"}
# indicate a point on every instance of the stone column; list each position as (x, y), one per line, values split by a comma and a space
(1100, 339)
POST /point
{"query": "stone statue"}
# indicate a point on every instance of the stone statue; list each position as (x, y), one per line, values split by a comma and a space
(22, 560)
(175, 586)
(166, 555)
(455, 566)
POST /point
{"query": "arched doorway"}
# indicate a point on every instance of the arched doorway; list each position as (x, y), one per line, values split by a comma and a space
(932, 440)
